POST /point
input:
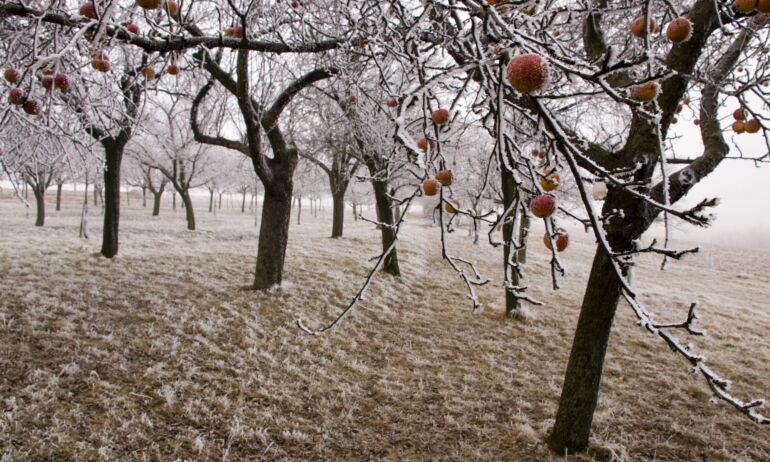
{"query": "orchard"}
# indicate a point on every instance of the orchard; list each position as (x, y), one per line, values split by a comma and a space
(601, 126)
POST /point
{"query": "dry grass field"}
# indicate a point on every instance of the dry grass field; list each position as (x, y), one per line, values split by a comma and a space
(163, 353)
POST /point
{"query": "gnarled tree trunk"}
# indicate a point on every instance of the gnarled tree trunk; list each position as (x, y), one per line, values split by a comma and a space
(273, 236)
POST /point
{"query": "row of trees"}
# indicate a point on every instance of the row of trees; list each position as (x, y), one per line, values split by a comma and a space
(396, 94)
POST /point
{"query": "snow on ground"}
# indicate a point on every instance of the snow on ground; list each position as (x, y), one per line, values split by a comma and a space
(165, 354)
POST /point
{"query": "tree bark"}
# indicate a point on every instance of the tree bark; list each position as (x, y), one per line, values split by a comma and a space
(580, 392)
(59, 187)
(509, 196)
(385, 216)
(299, 209)
(188, 208)
(338, 214)
(111, 200)
(40, 202)
(273, 238)
(523, 233)
(156, 196)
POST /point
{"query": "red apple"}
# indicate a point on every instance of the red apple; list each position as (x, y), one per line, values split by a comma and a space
(638, 29)
(101, 62)
(745, 6)
(352, 99)
(11, 75)
(560, 236)
(295, 4)
(362, 42)
(148, 4)
(46, 82)
(62, 83)
(739, 114)
(424, 144)
(444, 177)
(752, 126)
(527, 73)
(16, 96)
(234, 32)
(430, 187)
(645, 92)
(88, 10)
(172, 7)
(31, 107)
(696, 121)
(543, 206)
(679, 30)
(172, 69)
(550, 181)
(440, 116)
(148, 72)
(391, 102)
(739, 127)
(131, 27)
(451, 207)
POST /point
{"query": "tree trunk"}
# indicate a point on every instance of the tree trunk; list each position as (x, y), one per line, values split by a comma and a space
(59, 187)
(111, 201)
(96, 195)
(211, 201)
(584, 370)
(523, 233)
(144, 197)
(188, 208)
(243, 202)
(273, 238)
(84, 220)
(173, 200)
(85, 192)
(338, 214)
(220, 201)
(509, 196)
(156, 196)
(355, 212)
(299, 209)
(128, 197)
(385, 216)
(40, 202)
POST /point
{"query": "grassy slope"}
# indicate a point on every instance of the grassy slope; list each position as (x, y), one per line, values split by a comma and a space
(164, 354)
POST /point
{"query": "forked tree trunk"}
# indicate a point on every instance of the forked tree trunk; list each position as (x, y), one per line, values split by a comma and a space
(40, 202)
(509, 196)
(273, 238)
(59, 187)
(584, 371)
(338, 214)
(385, 216)
(111, 201)
(188, 208)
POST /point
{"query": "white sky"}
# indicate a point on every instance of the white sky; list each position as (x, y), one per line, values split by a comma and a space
(742, 217)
